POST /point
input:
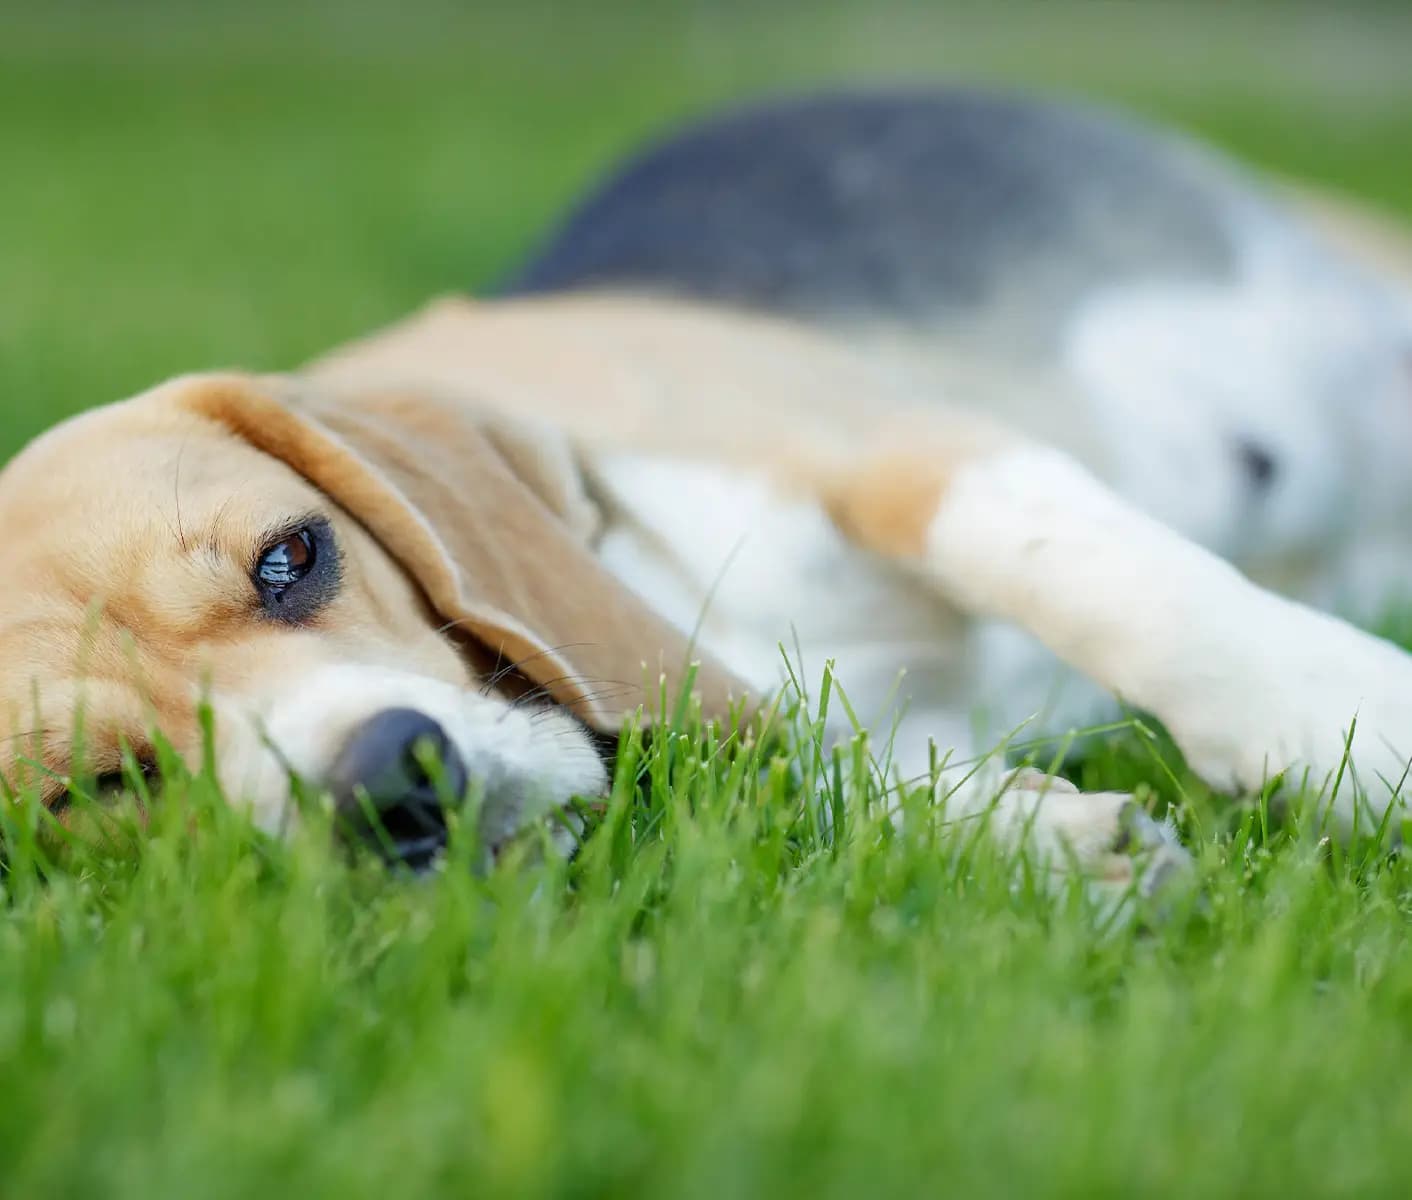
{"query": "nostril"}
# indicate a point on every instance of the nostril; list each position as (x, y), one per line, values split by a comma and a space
(414, 764)
(416, 758)
(411, 832)
(389, 779)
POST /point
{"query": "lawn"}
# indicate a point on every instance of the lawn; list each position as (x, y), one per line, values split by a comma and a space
(722, 995)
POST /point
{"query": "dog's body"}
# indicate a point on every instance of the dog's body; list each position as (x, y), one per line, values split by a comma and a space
(1100, 287)
(1118, 293)
(819, 374)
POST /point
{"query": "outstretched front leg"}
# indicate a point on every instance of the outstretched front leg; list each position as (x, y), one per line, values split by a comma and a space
(1249, 684)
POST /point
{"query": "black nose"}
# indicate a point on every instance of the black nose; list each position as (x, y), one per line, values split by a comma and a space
(384, 792)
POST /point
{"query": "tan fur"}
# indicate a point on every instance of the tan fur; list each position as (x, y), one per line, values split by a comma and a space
(130, 533)
(888, 503)
(866, 432)
(626, 372)
(1372, 238)
(132, 530)
(496, 561)
(447, 445)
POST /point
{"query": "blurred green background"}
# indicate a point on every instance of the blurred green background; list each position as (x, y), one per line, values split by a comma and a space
(190, 185)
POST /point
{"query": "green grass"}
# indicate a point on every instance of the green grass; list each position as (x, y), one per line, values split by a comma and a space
(723, 994)
(720, 996)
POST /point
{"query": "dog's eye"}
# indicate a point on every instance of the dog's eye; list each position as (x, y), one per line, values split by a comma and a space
(298, 572)
(106, 785)
(287, 561)
(109, 783)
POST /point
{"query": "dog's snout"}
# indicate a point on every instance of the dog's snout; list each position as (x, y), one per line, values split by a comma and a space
(389, 781)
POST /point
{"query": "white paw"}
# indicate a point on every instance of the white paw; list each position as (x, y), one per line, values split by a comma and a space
(1305, 694)
(1105, 836)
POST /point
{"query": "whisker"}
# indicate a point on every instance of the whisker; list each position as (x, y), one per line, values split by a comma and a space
(15, 737)
(176, 495)
(554, 709)
(509, 668)
(545, 690)
(450, 625)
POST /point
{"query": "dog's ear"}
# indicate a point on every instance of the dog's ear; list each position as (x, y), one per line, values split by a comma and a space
(489, 517)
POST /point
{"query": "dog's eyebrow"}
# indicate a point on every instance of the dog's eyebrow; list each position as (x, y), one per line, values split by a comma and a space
(212, 527)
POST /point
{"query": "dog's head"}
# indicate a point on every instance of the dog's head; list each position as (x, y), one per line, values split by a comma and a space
(353, 583)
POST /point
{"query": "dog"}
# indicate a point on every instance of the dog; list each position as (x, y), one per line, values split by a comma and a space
(1014, 408)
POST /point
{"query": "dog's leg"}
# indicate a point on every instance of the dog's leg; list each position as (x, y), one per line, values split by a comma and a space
(1249, 684)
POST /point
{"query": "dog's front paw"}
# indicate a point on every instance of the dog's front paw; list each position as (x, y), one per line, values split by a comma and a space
(1107, 836)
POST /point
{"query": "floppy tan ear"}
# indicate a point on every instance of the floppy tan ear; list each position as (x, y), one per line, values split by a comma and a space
(488, 517)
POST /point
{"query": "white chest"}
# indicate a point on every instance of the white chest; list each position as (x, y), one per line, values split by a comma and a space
(758, 576)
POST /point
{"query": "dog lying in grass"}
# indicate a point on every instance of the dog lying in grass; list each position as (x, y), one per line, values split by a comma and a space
(1011, 408)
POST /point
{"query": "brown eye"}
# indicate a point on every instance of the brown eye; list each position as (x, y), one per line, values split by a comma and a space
(287, 561)
(298, 572)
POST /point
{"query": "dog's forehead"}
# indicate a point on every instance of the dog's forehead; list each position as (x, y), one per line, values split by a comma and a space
(122, 484)
(130, 449)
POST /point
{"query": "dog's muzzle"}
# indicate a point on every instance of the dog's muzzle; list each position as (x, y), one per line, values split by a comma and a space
(391, 782)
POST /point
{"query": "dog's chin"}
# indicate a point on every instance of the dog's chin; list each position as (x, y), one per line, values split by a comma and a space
(395, 749)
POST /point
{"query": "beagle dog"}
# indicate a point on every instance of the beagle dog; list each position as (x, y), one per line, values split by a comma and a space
(1010, 407)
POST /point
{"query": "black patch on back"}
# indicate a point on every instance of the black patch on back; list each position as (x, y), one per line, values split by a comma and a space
(919, 205)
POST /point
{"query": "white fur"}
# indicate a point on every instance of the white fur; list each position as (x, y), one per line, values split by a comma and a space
(762, 577)
(1295, 353)
(717, 548)
(1179, 376)
(525, 761)
(1248, 682)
